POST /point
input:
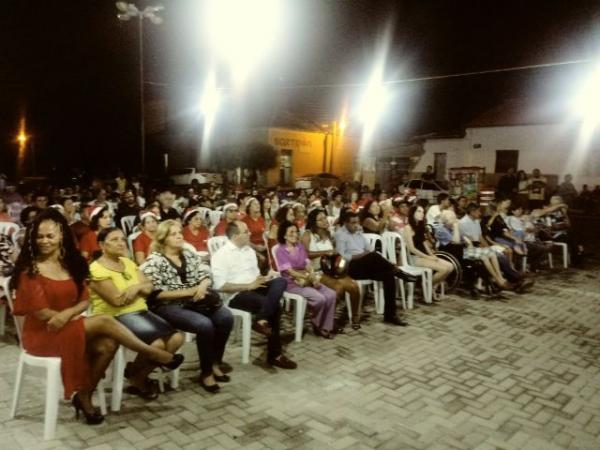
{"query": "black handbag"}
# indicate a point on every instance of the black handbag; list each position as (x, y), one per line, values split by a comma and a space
(334, 266)
(207, 306)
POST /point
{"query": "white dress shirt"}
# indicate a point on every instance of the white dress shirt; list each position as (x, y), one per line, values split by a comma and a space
(231, 264)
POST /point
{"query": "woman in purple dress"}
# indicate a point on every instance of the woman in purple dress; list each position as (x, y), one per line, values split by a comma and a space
(294, 265)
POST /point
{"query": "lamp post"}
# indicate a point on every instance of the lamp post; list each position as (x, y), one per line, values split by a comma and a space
(126, 12)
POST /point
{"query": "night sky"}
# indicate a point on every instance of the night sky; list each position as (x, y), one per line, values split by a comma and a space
(71, 67)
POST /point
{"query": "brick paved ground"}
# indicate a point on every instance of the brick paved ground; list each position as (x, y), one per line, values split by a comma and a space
(516, 374)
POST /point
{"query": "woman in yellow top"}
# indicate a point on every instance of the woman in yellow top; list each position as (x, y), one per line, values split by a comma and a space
(118, 289)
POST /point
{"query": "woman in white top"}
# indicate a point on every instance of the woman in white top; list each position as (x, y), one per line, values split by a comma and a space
(319, 242)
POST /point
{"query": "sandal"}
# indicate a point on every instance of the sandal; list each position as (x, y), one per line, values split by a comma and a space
(356, 326)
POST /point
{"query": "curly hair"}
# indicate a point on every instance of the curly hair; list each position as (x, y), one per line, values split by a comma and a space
(282, 230)
(70, 259)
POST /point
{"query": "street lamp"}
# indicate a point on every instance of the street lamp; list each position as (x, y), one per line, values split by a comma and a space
(126, 12)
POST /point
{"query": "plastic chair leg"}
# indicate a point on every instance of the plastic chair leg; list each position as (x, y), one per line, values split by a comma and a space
(299, 316)
(102, 397)
(246, 338)
(348, 306)
(411, 295)
(17, 391)
(118, 375)
(2, 319)
(53, 390)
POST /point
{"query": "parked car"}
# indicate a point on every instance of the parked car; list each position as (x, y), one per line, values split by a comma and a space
(318, 180)
(428, 190)
(187, 175)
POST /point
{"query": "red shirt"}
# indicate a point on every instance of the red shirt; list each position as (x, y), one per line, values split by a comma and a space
(199, 241)
(256, 228)
(220, 228)
(89, 244)
(142, 243)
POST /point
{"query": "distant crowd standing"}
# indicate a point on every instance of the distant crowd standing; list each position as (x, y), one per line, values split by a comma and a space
(145, 265)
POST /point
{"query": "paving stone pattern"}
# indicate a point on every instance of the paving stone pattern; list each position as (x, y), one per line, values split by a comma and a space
(522, 373)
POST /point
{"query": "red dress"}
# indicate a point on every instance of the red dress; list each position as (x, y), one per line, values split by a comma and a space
(142, 243)
(68, 343)
(199, 241)
(256, 228)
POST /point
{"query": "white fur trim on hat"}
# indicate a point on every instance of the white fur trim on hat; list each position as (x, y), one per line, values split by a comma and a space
(190, 212)
(96, 211)
(229, 205)
(146, 214)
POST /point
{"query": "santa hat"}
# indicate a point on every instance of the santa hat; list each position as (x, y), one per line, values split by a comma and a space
(190, 212)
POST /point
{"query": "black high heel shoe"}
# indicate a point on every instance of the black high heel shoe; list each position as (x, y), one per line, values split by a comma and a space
(174, 363)
(94, 418)
(406, 276)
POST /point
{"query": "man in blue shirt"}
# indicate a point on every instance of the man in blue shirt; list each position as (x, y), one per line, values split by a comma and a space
(363, 264)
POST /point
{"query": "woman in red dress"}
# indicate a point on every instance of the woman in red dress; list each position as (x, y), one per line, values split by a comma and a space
(194, 231)
(88, 245)
(50, 277)
(143, 243)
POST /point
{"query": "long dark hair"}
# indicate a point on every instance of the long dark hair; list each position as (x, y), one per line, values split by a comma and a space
(94, 221)
(417, 227)
(281, 214)
(365, 213)
(311, 222)
(71, 259)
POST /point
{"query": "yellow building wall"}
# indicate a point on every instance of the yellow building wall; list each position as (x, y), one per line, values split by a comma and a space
(308, 154)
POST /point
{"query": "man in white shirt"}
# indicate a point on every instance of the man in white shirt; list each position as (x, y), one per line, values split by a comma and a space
(235, 271)
(434, 211)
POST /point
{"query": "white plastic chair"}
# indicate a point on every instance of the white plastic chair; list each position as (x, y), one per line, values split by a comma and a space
(3, 293)
(130, 240)
(300, 302)
(565, 254)
(378, 294)
(215, 217)
(426, 274)
(8, 228)
(127, 224)
(54, 385)
(215, 243)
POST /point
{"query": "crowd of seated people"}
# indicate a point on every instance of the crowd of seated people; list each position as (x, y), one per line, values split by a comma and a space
(73, 252)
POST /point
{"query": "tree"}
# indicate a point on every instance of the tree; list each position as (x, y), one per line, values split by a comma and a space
(254, 157)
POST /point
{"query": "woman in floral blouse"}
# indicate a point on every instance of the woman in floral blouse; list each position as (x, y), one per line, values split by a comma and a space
(183, 298)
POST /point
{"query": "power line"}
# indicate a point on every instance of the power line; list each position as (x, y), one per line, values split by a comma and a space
(412, 80)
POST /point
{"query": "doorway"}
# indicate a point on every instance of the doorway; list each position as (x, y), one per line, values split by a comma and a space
(439, 165)
(285, 167)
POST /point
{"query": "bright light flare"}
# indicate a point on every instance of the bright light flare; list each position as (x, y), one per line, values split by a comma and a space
(586, 104)
(242, 33)
(22, 138)
(209, 104)
(373, 104)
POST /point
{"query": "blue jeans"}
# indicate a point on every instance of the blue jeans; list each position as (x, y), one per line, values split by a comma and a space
(211, 331)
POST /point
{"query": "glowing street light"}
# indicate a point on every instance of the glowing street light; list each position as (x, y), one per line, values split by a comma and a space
(586, 104)
(242, 33)
(22, 138)
(209, 107)
(128, 11)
